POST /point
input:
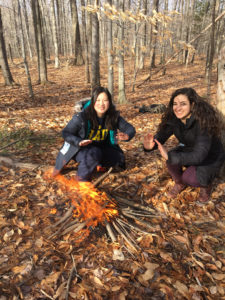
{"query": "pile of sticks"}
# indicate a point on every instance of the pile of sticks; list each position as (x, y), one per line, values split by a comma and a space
(132, 220)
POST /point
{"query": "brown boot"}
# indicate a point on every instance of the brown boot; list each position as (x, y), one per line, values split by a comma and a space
(204, 195)
(175, 190)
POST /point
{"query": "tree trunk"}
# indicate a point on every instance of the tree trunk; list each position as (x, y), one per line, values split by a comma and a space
(76, 33)
(3, 57)
(54, 32)
(121, 76)
(221, 96)
(42, 68)
(95, 68)
(110, 55)
(211, 54)
(86, 45)
(154, 37)
(31, 94)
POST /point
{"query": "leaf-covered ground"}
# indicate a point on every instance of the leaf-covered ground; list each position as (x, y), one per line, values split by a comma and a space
(182, 255)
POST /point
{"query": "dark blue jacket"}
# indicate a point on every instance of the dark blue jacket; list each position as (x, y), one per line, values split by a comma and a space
(78, 129)
(197, 148)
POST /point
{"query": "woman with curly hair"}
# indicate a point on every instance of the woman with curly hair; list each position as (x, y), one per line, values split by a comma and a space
(91, 137)
(197, 159)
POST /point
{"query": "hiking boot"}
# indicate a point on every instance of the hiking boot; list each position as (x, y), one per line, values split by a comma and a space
(175, 190)
(204, 195)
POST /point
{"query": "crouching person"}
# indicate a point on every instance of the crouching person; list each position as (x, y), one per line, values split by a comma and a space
(92, 136)
(198, 158)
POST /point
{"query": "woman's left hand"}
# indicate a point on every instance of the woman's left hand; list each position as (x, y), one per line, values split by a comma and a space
(162, 150)
(120, 136)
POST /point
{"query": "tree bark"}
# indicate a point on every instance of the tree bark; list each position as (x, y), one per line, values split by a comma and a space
(3, 57)
(121, 76)
(42, 67)
(211, 54)
(54, 32)
(110, 55)
(86, 45)
(76, 33)
(95, 68)
(31, 94)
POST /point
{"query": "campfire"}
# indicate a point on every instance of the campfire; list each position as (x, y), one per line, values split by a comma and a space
(89, 207)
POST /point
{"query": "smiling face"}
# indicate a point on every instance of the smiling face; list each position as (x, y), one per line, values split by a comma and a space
(101, 105)
(182, 107)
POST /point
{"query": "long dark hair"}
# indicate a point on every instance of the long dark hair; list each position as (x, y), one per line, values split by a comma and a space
(111, 115)
(202, 111)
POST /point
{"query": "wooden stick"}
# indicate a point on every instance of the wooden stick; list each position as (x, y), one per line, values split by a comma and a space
(131, 203)
(67, 215)
(125, 238)
(102, 177)
(74, 269)
(139, 220)
(132, 226)
(110, 232)
(75, 228)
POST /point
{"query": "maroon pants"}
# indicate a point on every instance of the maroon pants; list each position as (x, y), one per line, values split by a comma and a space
(187, 177)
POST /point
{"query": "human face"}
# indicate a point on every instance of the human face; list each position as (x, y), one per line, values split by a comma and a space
(101, 105)
(182, 107)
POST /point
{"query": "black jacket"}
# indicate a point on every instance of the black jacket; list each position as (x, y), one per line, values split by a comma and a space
(77, 129)
(196, 148)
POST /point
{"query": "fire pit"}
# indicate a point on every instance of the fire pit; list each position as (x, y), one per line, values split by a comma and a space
(90, 207)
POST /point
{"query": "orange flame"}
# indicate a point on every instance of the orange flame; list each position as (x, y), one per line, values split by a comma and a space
(90, 205)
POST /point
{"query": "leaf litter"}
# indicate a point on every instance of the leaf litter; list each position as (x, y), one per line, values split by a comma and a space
(181, 254)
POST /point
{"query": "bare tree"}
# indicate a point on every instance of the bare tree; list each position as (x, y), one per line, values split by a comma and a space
(86, 45)
(121, 76)
(54, 32)
(31, 94)
(212, 46)
(76, 33)
(221, 95)
(95, 68)
(110, 54)
(37, 20)
(3, 57)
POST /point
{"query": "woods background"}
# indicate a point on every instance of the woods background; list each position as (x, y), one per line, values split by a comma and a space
(85, 32)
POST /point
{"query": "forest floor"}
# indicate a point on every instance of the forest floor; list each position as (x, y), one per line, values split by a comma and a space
(179, 254)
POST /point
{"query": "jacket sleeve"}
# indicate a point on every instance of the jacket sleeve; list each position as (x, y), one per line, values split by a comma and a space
(194, 156)
(70, 132)
(126, 127)
(161, 136)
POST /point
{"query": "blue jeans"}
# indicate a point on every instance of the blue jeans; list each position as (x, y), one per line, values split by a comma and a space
(89, 157)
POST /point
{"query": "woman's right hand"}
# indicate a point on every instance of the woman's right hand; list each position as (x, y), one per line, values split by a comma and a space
(149, 142)
(85, 143)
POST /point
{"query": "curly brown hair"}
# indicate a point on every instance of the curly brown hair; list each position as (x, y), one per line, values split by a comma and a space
(206, 115)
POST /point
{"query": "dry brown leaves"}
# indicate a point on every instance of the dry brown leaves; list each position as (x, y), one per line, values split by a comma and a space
(183, 258)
